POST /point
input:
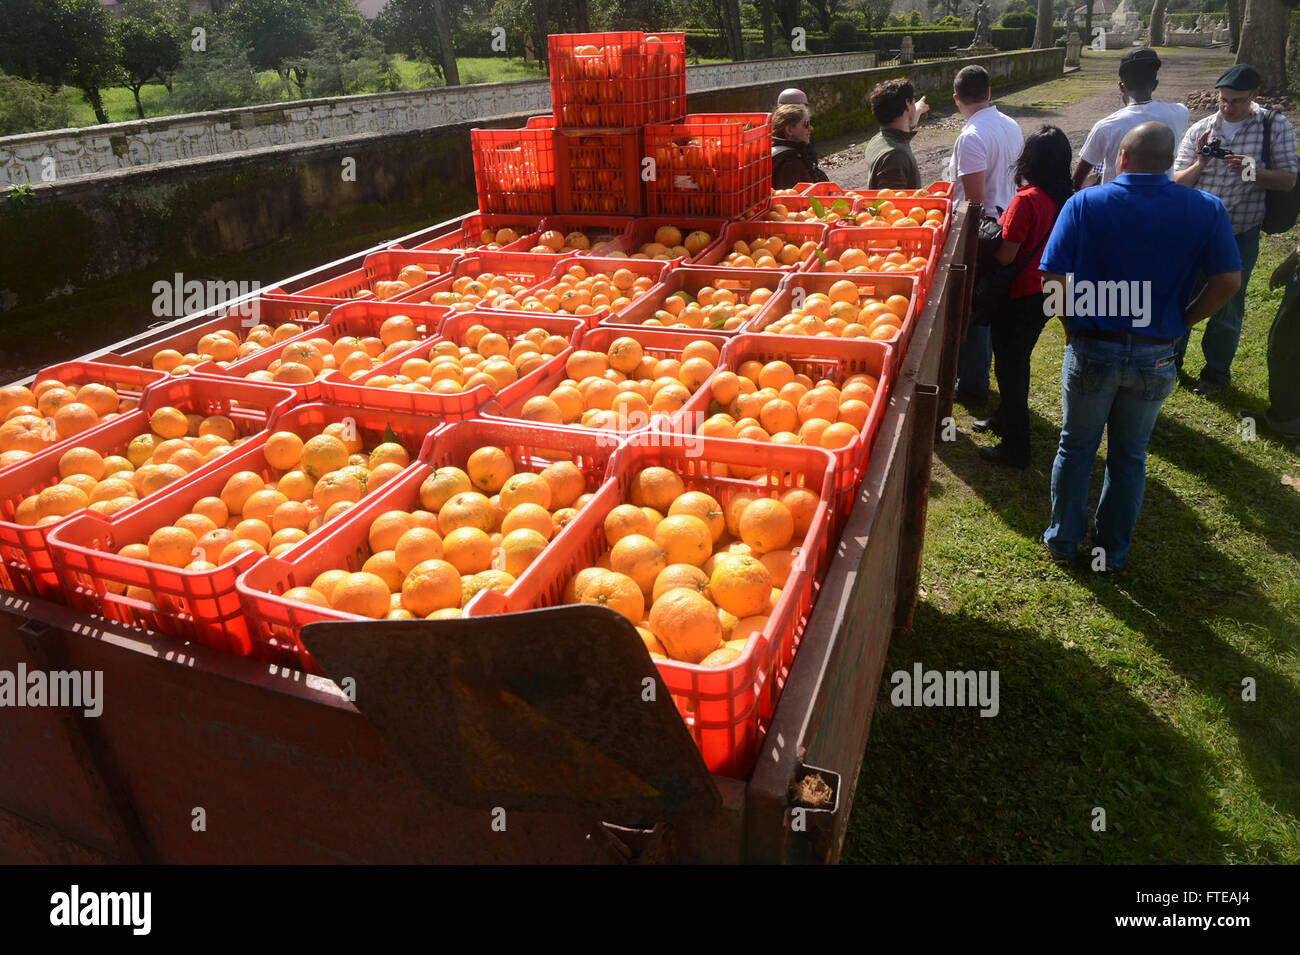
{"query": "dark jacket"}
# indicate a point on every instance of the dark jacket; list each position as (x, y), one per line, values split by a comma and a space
(890, 162)
(794, 162)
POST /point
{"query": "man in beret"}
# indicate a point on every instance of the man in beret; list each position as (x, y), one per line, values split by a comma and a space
(1239, 179)
(1137, 84)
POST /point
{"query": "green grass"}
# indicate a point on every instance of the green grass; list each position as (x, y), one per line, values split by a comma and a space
(1123, 694)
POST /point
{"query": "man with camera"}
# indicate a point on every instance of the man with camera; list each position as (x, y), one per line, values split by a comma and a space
(1224, 155)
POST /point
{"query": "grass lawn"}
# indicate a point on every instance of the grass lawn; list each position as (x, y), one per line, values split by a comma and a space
(1121, 694)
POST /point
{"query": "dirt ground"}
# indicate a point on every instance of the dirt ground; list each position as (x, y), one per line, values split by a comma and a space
(1074, 102)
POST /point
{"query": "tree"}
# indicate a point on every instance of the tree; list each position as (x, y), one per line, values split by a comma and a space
(1263, 41)
(728, 13)
(1087, 23)
(874, 13)
(273, 31)
(1043, 28)
(27, 107)
(219, 78)
(60, 42)
(1234, 24)
(1156, 28)
(442, 19)
(150, 50)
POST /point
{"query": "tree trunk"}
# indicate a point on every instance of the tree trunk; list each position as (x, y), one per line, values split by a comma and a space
(582, 16)
(96, 102)
(1156, 32)
(442, 23)
(1234, 25)
(731, 27)
(1263, 41)
(823, 10)
(1087, 25)
(139, 109)
(768, 14)
(1043, 26)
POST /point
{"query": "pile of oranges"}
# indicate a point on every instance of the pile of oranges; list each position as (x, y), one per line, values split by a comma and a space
(886, 213)
(475, 529)
(407, 279)
(768, 252)
(175, 445)
(845, 310)
(225, 346)
(771, 402)
(582, 292)
(623, 386)
(485, 290)
(726, 306)
(50, 411)
(305, 484)
(486, 358)
(863, 260)
(696, 578)
(830, 213)
(668, 244)
(305, 360)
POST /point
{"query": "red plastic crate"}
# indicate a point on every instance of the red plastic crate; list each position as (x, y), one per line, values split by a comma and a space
(656, 342)
(726, 708)
(843, 207)
(940, 188)
(599, 172)
(261, 311)
(710, 165)
(655, 269)
(691, 280)
(466, 234)
(629, 83)
(869, 199)
(793, 232)
(832, 358)
(514, 169)
(881, 286)
(339, 390)
(383, 266)
(525, 268)
(277, 622)
(879, 239)
(26, 565)
(642, 232)
(358, 319)
(602, 231)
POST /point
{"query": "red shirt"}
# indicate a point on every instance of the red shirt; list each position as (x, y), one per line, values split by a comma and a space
(1029, 220)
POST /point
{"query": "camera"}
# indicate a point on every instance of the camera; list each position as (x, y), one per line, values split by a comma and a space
(1214, 148)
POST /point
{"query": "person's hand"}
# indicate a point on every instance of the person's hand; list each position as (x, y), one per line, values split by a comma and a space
(922, 107)
(1236, 162)
(1204, 138)
(1282, 274)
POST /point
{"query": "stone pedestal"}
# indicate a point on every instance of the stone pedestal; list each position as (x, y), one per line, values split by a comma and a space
(906, 51)
(980, 50)
(1073, 43)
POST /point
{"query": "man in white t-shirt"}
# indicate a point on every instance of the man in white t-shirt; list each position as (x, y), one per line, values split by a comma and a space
(1137, 82)
(982, 169)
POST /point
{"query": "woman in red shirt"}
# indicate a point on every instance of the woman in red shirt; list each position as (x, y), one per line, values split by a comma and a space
(1043, 186)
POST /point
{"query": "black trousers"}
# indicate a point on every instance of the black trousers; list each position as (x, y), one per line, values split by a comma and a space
(1014, 334)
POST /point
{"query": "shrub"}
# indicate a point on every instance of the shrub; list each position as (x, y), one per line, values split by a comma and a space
(843, 37)
(27, 107)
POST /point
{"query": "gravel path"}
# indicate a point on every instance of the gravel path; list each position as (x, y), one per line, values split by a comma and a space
(1074, 102)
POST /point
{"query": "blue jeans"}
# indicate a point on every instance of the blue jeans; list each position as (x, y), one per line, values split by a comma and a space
(1120, 387)
(1223, 331)
(973, 363)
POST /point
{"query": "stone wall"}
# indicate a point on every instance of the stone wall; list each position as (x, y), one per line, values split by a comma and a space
(68, 153)
(139, 225)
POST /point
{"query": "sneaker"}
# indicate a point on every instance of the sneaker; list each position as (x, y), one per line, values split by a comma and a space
(1207, 389)
(1058, 561)
(991, 423)
(999, 454)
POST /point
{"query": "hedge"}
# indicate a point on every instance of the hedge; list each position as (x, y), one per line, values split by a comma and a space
(925, 39)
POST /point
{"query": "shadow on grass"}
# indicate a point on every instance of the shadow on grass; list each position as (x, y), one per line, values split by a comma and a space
(1067, 738)
(1172, 584)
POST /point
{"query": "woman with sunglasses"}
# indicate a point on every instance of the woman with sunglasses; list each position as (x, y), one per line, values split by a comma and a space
(793, 159)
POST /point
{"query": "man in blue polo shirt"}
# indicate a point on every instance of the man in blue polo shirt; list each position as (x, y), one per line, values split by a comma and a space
(1117, 270)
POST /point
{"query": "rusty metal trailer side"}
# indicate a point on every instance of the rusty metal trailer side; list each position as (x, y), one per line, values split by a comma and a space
(202, 757)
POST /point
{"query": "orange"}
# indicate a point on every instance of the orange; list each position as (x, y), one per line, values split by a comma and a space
(684, 539)
(489, 469)
(468, 549)
(519, 549)
(218, 425)
(838, 435)
(60, 500)
(81, 461)
(766, 525)
(323, 454)
(802, 505)
(196, 524)
(686, 623)
(361, 594)
(141, 449)
(253, 530)
(389, 453)
(168, 422)
(638, 557)
(17, 396)
(286, 538)
(283, 450)
(173, 546)
(623, 520)
(680, 575)
(307, 595)
(467, 509)
(530, 516)
(618, 592)
(384, 566)
(566, 482)
(336, 488)
(525, 488)
(656, 487)
(430, 586)
(578, 583)
(52, 399)
(291, 515)
(775, 374)
(442, 485)
(497, 580)
(74, 418)
(239, 487)
(296, 486)
(214, 542)
(779, 564)
(213, 508)
(325, 583)
(733, 510)
(415, 546)
(721, 657)
(387, 529)
(262, 504)
(741, 585)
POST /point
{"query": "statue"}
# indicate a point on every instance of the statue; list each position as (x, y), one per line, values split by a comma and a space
(983, 26)
(1070, 26)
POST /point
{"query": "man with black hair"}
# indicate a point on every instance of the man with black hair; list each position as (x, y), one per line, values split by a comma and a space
(890, 162)
(1137, 83)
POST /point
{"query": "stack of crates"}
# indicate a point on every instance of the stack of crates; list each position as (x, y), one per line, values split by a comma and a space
(619, 141)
